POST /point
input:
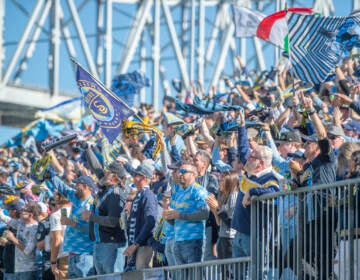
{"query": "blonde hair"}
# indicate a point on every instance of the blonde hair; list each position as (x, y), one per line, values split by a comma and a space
(265, 154)
(345, 152)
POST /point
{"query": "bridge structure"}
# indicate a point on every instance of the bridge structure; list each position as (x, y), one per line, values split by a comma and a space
(190, 40)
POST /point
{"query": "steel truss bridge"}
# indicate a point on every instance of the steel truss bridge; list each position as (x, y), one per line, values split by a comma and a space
(191, 40)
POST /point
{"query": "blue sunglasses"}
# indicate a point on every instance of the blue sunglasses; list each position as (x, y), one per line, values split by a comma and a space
(183, 171)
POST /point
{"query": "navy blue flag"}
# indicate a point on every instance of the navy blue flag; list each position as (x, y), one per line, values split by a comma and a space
(126, 86)
(107, 108)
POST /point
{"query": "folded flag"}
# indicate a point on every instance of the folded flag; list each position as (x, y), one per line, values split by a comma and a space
(202, 107)
(317, 43)
(272, 28)
(107, 108)
(126, 86)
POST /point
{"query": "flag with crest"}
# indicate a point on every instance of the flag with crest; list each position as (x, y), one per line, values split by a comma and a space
(107, 108)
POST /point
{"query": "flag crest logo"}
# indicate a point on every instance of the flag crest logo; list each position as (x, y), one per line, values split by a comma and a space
(98, 104)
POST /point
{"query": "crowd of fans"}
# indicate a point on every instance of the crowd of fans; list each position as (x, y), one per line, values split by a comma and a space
(70, 212)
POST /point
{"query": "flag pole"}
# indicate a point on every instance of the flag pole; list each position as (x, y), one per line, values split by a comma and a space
(109, 91)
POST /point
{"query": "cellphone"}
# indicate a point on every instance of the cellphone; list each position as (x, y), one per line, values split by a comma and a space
(333, 89)
(63, 212)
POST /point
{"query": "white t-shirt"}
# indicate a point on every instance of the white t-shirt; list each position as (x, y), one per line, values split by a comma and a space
(55, 225)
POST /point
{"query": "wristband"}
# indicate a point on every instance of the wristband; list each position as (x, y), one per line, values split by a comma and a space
(311, 112)
(55, 262)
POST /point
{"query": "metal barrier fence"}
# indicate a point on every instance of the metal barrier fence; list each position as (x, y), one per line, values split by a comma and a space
(309, 233)
(209, 270)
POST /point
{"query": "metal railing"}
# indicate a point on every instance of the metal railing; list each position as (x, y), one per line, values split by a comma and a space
(310, 233)
(210, 270)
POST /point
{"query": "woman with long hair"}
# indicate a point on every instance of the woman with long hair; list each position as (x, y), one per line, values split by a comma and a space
(223, 208)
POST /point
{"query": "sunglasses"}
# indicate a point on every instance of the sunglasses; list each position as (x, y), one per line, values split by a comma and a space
(332, 137)
(184, 171)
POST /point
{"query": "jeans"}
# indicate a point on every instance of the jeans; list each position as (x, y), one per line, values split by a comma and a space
(188, 251)
(81, 266)
(28, 275)
(241, 245)
(241, 248)
(105, 255)
(9, 276)
(169, 251)
(120, 260)
(208, 252)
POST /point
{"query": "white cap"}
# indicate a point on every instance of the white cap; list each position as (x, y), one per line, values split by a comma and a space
(43, 207)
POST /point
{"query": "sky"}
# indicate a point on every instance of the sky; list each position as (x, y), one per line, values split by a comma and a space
(37, 74)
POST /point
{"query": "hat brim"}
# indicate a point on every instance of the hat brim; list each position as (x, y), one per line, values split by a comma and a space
(141, 174)
(308, 139)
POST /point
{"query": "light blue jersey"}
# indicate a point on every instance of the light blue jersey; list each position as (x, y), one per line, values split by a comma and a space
(76, 239)
(187, 201)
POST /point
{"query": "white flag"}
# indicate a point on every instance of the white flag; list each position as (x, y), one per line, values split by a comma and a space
(246, 21)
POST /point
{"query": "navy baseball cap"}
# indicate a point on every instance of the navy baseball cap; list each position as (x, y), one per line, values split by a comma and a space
(83, 179)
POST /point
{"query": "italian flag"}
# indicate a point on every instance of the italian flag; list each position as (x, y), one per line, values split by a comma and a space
(273, 28)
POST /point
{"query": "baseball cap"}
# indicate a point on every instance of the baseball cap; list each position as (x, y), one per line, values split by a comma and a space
(16, 205)
(309, 138)
(117, 168)
(144, 170)
(336, 131)
(289, 136)
(43, 207)
(352, 125)
(175, 165)
(83, 179)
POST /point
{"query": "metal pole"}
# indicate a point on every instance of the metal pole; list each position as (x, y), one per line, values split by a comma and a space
(156, 55)
(201, 54)
(173, 35)
(54, 58)
(192, 39)
(356, 5)
(82, 37)
(143, 67)
(134, 36)
(20, 46)
(99, 36)
(108, 42)
(221, 61)
(31, 46)
(2, 48)
(67, 37)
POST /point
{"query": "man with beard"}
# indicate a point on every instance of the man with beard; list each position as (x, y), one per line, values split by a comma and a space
(76, 239)
(104, 218)
(259, 179)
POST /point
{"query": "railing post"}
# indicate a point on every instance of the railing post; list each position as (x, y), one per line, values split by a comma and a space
(351, 211)
(253, 235)
(300, 235)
